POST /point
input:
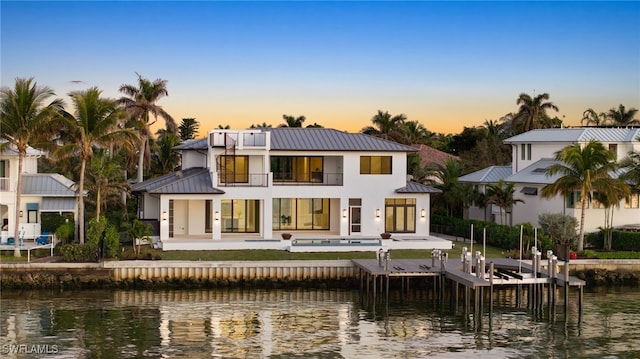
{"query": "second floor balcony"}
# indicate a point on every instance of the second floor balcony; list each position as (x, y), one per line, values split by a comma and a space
(308, 179)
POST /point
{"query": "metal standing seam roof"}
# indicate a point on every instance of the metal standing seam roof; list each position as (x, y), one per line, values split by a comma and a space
(415, 187)
(581, 134)
(316, 139)
(535, 173)
(189, 181)
(11, 150)
(491, 174)
(47, 184)
(58, 204)
(327, 139)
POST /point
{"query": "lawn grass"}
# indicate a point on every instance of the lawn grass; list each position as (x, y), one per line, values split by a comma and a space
(267, 254)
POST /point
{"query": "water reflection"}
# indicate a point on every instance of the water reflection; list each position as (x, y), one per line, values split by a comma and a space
(308, 323)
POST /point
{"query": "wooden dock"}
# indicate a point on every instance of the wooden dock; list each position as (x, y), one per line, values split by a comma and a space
(477, 275)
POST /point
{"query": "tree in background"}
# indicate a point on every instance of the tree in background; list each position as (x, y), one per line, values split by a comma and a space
(315, 125)
(291, 121)
(622, 117)
(262, 125)
(582, 169)
(386, 126)
(446, 179)
(188, 129)
(532, 113)
(164, 158)
(631, 166)
(93, 123)
(591, 117)
(104, 181)
(25, 119)
(501, 195)
(141, 103)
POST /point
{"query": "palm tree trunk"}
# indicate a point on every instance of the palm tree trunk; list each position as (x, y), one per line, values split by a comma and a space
(81, 202)
(16, 248)
(143, 145)
(583, 204)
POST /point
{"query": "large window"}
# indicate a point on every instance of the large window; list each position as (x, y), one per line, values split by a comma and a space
(400, 215)
(297, 168)
(375, 165)
(234, 169)
(240, 216)
(301, 214)
(633, 201)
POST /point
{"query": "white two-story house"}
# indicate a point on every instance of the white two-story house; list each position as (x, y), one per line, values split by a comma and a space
(309, 182)
(41, 192)
(532, 154)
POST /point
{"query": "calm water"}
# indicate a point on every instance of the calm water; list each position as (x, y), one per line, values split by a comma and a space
(308, 324)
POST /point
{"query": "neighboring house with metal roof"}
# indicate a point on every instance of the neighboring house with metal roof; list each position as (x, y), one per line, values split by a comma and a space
(260, 183)
(41, 192)
(532, 154)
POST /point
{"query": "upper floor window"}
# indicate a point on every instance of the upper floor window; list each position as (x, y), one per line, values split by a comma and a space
(297, 168)
(633, 201)
(613, 147)
(234, 169)
(525, 151)
(375, 165)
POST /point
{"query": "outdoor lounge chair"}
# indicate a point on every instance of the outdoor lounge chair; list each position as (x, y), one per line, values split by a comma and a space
(43, 239)
(11, 240)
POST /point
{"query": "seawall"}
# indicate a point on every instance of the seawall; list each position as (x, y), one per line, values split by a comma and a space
(189, 274)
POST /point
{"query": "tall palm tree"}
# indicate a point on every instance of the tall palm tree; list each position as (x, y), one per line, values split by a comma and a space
(584, 169)
(502, 196)
(188, 129)
(94, 123)
(622, 117)
(141, 104)
(532, 113)
(591, 117)
(291, 121)
(386, 126)
(610, 197)
(25, 119)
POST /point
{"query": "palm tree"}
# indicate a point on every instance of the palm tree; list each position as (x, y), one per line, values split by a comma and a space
(164, 158)
(141, 104)
(315, 125)
(25, 119)
(591, 117)
(446, 179)
(622, 117)
(583, 169)
(610, 197)
(502, 196)
(532, 113)
(94, 123)
(386, 126)
(262, 125)
(188, 129)
(291, 121)
(414, 132)
(104, 179)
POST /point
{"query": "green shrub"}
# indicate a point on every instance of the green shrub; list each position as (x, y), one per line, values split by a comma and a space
(589, 254)
(65, 232)
(506, 237)
(75, 252)
(95, 230)
(622, 240)
(111, 242)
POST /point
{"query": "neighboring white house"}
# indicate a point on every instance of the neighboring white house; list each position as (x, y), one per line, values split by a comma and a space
(532, 154)
(310, 182)
(41, 192)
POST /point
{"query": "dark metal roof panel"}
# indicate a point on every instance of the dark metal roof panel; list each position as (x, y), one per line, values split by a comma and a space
(326, 139)
(192, 181)
(415, 187)
(47, 184)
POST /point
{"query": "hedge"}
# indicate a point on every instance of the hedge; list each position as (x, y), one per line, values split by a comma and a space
(621, 240)
(501, 236)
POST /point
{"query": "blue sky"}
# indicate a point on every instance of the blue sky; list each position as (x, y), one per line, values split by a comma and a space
(445, 64)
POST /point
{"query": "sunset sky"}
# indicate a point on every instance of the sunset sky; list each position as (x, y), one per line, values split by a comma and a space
(444, 64)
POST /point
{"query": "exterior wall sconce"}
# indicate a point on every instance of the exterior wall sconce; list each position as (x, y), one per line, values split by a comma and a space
(344, 213)
(216, 216)
(21, 214)
(378, 213)
(423, 213)
(164, 215)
